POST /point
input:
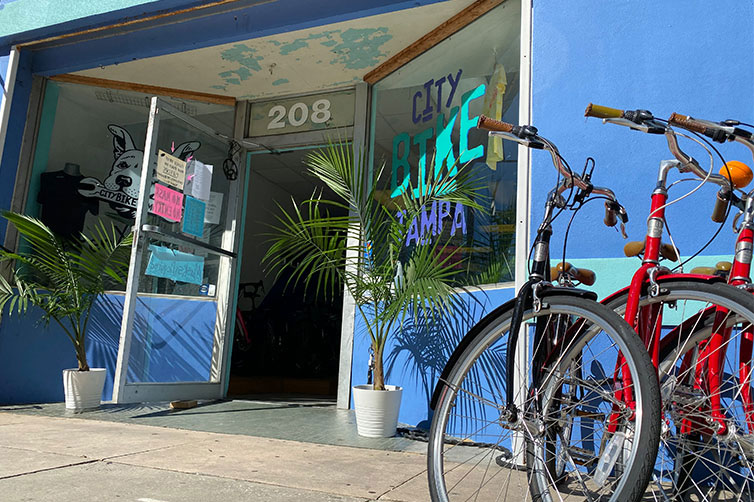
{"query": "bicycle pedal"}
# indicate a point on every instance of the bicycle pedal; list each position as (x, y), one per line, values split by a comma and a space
(688, 396)
(589, 414)
(581, 456)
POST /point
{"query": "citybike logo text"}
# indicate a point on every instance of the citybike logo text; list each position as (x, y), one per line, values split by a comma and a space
(447, 155)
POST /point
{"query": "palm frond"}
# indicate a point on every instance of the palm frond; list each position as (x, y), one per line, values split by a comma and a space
(62, 278)
(391, 279)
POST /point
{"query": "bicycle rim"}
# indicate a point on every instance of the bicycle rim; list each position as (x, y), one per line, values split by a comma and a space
(553, 452)
(702, 459)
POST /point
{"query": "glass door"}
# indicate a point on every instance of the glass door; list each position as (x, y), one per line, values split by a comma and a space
(174, 338)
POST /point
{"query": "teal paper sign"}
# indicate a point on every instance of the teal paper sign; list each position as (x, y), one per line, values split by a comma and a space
(193, 217)
(175, 265)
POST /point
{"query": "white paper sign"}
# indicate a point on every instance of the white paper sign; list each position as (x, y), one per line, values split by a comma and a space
(214, 208)
(170, 170)
(198, 180)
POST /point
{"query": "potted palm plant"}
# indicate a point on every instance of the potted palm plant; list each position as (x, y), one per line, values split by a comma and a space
(366, 252)
(63, 278)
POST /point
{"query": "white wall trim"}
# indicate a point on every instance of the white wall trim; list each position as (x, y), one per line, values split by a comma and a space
(523, 192)
(348, 324)
(10, 84)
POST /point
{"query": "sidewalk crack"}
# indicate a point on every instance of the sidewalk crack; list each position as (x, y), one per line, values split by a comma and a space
(72, 464)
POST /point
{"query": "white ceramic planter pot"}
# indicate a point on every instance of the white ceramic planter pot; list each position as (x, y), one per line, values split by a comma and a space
(83, 389)
(377, 410)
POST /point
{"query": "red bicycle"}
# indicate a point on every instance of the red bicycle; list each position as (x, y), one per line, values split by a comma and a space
(697, 330)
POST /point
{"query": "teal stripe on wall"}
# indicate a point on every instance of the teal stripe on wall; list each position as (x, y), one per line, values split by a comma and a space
(615, 273)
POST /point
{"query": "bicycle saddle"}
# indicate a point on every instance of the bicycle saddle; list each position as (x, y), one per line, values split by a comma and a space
(635, 248)
(721, 268)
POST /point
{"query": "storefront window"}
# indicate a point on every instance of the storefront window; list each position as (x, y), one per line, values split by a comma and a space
(87, 162)
(424, 114)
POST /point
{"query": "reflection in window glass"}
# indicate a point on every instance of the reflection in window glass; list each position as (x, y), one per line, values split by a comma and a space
(89, 150)
(425, 113)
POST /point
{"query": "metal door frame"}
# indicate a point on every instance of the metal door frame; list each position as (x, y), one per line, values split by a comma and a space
(123, 391)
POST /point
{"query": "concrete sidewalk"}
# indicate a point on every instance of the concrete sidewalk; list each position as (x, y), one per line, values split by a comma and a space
(53, 459)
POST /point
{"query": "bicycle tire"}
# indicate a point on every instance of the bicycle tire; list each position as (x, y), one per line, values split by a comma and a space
(460, 430)
(695, 463)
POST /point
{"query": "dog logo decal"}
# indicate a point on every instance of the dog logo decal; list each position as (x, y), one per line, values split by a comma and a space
(120, 188)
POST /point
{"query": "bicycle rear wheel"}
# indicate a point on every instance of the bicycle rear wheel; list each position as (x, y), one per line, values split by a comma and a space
(573, 419)
(702, 459)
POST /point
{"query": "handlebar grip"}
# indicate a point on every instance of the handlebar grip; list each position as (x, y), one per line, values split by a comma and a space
(493, 125)
(721, 206)
(611, 219)
(603, 112)
(687, 123)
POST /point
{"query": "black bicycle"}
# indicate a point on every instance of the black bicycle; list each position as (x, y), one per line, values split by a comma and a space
(551, 395)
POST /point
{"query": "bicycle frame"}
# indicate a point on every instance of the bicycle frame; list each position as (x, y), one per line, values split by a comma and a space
(647, 321)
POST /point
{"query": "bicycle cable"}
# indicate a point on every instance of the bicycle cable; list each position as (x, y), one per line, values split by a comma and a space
(709, 173)
(552, 218)
(573, 216)
(727, 209)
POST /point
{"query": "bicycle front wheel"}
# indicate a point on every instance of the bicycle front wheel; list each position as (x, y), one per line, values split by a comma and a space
(583, 431)
(706, 449)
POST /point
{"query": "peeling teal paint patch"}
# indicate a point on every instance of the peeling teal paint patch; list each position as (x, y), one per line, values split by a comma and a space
(329, 43)
(300, 43)
(360, 48)
(246, 57)
(280, 81)
(219, 87)
(293, 46)
(228, 79)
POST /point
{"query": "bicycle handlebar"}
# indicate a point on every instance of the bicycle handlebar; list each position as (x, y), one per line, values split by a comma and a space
(494, 125)
(603, 112)
(716, 131)
(687, 122)
(643, 120)
(528, 136)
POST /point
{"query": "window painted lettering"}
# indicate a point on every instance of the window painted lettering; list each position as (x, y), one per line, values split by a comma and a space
(466, 124)
(302, 111)
(431, 222)
(444, 82)
(298, 114)
(400, 162)
(444, 158)
(279, 121)
(421, 141)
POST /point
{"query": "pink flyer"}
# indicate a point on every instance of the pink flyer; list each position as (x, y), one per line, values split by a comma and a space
(168, 203)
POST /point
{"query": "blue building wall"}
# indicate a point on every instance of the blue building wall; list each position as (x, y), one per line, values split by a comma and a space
(172, 342)
(693, 57)
(416, 352)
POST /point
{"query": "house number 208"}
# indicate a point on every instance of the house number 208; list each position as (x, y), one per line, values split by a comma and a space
(298, 114)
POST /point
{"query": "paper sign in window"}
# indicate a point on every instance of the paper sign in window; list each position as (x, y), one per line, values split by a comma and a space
(193, 217)
(168, 203)
(170, 170)
(214, 207)
(175, 265)
(198, 179)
